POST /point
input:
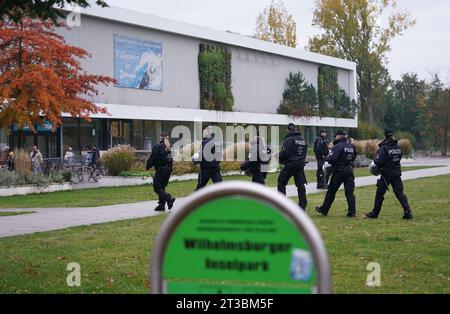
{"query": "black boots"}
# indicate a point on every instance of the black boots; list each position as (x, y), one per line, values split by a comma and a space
(319, 210)
(408, 215)
(372, 215)
(161, 208)
(170, 203)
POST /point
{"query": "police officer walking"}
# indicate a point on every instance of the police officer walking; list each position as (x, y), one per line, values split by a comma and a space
(341, 159)
(210, 156)
(387, 161)
(321, 151)
(161, 159)
(293, 156)
(258, 160)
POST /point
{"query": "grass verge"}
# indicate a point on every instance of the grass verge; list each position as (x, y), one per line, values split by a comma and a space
(115, 257)
(131, 194)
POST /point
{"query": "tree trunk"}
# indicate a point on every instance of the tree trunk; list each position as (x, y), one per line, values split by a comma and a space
(370, 115)
(20, 139)
(445, 144)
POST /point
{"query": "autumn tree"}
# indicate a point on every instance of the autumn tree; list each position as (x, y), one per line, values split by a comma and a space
(276, 25)
(350, 30)
(41, 76)
(434, 114)
(15, 10)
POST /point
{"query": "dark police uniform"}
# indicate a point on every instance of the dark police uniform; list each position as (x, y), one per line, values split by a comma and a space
(258, 161)
(210, 169)
(321, 151)
(293, 155)
(388, 159)
(162, 161)
(342, 158)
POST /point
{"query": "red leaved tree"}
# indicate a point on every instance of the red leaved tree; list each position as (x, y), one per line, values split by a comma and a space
(41, 76)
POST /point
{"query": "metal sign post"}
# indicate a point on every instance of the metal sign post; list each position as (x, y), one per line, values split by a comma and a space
(238, 237)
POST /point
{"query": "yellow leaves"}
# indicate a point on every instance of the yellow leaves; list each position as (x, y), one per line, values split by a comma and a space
(276, 25)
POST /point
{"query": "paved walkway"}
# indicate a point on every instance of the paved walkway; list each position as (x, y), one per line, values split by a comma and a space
(46, 219)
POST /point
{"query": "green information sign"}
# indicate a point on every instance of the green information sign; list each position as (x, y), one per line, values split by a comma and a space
(239, 238)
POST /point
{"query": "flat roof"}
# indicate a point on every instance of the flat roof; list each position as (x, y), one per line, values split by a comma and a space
(180, 28)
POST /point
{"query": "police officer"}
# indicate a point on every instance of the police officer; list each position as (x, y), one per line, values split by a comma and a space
(210, 156)
(387, 160)
(321, 151)
(258, 160)
(161, 159)
(292, 156)
(341, 159)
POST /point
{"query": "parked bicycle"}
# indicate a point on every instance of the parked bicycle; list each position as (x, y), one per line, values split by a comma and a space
(91, 172)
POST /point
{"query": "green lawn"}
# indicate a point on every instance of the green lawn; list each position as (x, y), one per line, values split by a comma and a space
(115, 257)
(122, 195)
(6, 213)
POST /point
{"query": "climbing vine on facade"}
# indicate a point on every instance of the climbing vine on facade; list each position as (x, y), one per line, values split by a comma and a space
(214, 66)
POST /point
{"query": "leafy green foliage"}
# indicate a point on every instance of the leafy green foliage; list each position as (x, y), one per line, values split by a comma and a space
(346, 106)
(366, 131)
(214, 65)
(402, 102)
(433, 119)
(349, 31)
(16, 10)
(299, 98)
(328, 89)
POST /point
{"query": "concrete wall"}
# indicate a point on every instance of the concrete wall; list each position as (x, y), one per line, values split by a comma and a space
(180, 70)
(258, 78)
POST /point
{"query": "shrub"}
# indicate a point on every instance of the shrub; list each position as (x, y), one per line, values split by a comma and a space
(367, 148)
(119, 158)
(370, 148)
(9, 178)
(56, 177)
(37, 179)
(67, 176)
(406, 136)
(228, 166)
(360, 147)
(406, 147)
(366, 131)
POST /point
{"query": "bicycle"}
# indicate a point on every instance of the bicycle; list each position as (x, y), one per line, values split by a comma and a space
(93, 172)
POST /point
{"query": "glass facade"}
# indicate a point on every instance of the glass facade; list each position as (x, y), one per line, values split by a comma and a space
(105, 133)
(47, 140)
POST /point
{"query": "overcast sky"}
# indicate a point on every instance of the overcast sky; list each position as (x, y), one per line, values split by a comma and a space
(424, 49)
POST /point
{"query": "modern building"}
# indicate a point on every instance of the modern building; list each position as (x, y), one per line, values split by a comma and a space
(156, 63)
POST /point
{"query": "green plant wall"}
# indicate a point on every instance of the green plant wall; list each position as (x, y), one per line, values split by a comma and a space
(214, 65)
